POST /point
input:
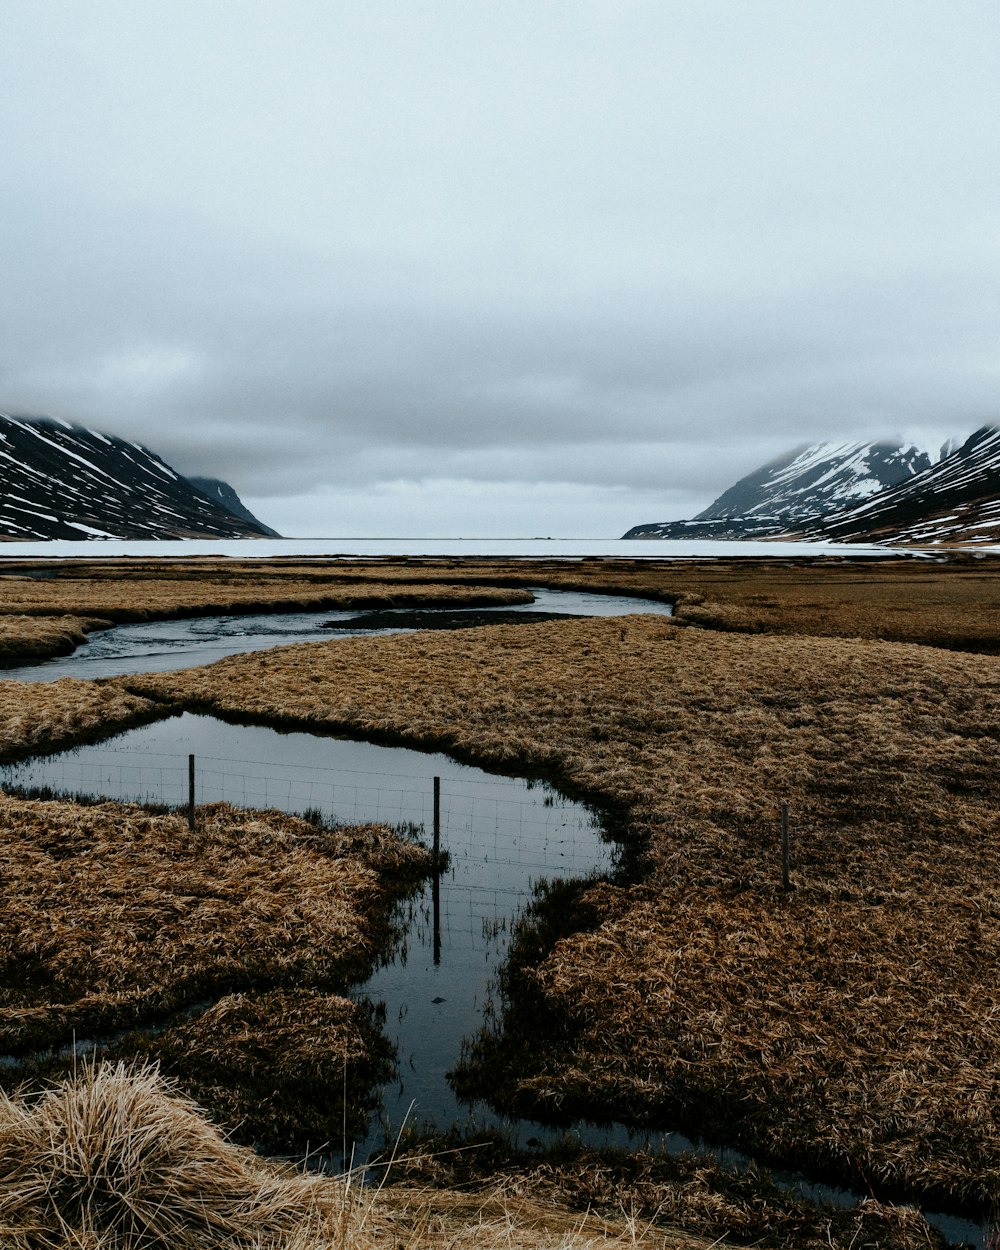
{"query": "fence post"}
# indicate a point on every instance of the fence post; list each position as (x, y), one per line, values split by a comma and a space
(437, 823)
(191, 793)
(786, 884)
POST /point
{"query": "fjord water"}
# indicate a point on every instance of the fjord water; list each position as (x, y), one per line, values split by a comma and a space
(489, 548)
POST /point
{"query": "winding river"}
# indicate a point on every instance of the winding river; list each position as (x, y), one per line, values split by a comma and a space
(159, 646)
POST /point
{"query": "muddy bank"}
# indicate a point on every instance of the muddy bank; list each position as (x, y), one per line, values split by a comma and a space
(443, 619)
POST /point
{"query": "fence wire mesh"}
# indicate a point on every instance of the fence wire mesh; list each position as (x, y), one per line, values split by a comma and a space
(506, 823)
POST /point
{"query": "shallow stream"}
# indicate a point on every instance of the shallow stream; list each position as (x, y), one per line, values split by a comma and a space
(159, 646)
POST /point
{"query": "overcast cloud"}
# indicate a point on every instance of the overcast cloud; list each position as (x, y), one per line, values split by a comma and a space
(498, 267)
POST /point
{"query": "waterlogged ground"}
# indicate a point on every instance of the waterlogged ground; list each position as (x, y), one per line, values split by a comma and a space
(501, 835)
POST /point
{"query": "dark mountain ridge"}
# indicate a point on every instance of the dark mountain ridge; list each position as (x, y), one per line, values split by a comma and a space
(955, 500)
(223, 494)
(59, 480)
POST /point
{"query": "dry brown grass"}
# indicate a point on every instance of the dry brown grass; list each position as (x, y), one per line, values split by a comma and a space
(34, 637)
(952, 603)
(113, 915)
(290, 1071)
(527, 1214)
(849, 1025)
(665, 1192)
(115, 1160)
(116, 594)
(40, 717)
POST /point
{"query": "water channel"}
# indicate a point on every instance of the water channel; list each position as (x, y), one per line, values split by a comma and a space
(503, 835)
(159, 646)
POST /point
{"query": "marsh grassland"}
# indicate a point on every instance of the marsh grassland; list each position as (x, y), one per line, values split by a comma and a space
(847, 1026)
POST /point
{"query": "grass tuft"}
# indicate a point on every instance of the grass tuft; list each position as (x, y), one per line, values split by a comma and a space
(116, 1158)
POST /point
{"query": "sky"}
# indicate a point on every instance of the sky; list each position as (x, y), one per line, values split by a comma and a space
(470, 268)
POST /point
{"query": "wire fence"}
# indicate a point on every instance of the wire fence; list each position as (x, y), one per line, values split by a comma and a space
(521, 831)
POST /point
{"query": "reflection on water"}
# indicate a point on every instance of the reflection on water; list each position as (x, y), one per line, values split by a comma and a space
(502, 835)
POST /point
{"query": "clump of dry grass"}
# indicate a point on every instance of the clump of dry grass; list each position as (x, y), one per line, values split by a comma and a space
(115, 1159)
(849, 1026)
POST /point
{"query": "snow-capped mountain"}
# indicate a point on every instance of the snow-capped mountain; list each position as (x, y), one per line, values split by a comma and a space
(807, 483)
(64, 481)
(955, 500)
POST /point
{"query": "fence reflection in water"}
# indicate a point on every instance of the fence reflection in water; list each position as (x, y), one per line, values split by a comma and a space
(501, 834)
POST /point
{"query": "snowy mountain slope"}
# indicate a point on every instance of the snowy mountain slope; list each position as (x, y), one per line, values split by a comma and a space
(64, 481)
(224, 495)
(955, 500)
(805, 483)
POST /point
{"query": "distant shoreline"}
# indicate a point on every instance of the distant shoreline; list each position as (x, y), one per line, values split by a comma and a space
(520, 548)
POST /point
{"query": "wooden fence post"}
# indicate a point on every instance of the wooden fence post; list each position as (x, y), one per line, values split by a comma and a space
(191, 793)
(436, 868)
(437, 822)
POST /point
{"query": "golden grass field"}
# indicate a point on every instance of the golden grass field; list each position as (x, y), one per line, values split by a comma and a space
(849, 1025)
